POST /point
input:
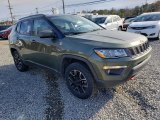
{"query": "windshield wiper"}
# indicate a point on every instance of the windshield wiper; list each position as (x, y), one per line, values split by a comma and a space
(74, 33)
(96, 30)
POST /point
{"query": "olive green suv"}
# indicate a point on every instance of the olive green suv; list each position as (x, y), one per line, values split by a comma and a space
(85, 54)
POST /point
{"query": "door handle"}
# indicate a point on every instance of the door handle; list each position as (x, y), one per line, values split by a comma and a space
(34, 41)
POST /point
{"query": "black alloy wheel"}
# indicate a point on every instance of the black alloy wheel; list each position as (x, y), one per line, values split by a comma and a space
(19, 62)
(79, 80)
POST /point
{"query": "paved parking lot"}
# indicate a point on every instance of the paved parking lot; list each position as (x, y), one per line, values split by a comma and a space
(39, 95)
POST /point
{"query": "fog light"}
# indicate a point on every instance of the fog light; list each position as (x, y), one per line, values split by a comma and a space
(152, 34)
(114, 70)
(113, 67)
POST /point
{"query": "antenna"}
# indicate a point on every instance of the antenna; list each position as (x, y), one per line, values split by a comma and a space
(10, 9)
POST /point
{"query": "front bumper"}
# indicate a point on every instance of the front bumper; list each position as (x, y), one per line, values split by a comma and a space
(149, 33)
(134, 65)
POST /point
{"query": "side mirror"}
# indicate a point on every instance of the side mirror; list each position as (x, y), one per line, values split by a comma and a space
(46, 34)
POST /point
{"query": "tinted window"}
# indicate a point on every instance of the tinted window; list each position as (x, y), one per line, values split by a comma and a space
(150, 17)
(69, 24)
(39, 26)
(25, 28)
(100, 20)
(18, 27)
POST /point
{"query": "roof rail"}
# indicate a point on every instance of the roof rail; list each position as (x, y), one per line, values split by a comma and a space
(37, 15)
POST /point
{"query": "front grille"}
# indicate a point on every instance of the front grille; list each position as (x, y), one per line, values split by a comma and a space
(139, 28)
(139, 49)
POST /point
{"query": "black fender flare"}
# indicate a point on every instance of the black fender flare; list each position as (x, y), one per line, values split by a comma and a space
(79, 58)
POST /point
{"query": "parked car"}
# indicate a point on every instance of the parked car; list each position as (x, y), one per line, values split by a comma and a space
(127, 22)
(5, 33)
(3, 27)
(110, 22)
(85, 54)
(147, 24)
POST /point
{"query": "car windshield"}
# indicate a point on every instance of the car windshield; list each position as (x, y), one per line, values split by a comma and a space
(70, 24)
(99, 20)
(129, 20)
(151, 17)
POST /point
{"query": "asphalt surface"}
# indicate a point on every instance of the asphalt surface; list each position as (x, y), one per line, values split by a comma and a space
(40, 95)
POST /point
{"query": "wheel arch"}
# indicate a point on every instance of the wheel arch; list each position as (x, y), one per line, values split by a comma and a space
(69, 59)
(12, 49)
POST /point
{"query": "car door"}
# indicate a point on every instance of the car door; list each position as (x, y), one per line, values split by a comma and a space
(23, 38)
(109, 23)
(115, 23)
(44, 49)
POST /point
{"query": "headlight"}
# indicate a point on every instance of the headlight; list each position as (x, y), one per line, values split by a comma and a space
(129, 27)
(152, 26)
(111, 53)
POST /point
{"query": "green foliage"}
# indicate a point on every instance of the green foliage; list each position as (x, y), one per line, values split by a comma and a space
(154, 7)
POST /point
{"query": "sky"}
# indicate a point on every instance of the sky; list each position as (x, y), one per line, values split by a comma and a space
(26, 7)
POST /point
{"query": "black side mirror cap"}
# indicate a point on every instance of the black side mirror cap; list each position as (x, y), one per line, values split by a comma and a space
(47, 34)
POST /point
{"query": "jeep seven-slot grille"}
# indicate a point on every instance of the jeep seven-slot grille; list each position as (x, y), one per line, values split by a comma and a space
(139, 49)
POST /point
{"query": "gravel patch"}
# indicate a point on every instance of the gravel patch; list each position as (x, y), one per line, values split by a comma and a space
(32, 95)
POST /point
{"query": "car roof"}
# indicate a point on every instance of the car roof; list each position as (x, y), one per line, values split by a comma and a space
(98, 16)
(42, 15)
(150, 13)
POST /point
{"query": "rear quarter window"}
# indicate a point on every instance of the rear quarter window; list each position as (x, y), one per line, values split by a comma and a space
(18, 27)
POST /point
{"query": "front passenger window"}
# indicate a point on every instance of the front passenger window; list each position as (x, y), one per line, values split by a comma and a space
(40, 26)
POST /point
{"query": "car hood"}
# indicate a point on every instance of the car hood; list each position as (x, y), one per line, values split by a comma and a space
(143, 24)
(103, 25)
(110, 39)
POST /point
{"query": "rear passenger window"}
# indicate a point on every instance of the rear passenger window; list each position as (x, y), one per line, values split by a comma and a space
(109, 20)
(25, 28)
(118, 18)
(18, 27)
(115, 19)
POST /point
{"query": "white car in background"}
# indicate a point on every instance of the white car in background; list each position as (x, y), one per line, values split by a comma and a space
(147, 24)
(110, 22)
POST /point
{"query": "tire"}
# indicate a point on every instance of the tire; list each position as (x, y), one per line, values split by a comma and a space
(19, 62)
(119, 28)
(79, 81)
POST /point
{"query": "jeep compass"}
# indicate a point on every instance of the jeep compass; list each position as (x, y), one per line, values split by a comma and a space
(85, 54)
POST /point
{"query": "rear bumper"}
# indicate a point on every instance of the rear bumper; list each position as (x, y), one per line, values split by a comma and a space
(134, 65)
